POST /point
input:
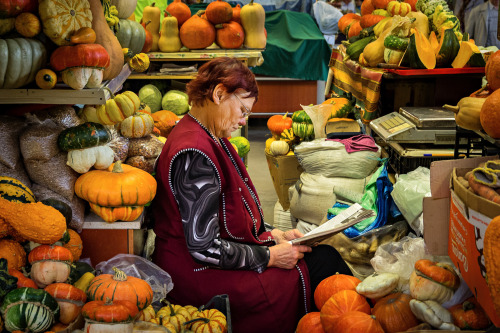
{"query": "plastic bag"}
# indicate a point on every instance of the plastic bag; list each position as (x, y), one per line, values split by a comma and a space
(319, 115)
(408, 194)
(327, 17)
(399, 258)
(159, 280)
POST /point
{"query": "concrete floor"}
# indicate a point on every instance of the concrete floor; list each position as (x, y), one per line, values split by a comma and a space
(258, 133)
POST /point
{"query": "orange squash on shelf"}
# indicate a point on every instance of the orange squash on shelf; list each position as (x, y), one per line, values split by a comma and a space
(229, 35)
(219, 11)
(197, 33)
(179, 10)
(490, 115)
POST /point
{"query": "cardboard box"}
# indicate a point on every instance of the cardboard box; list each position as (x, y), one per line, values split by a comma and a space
(436, 209)
(470, 215)
(285, 171)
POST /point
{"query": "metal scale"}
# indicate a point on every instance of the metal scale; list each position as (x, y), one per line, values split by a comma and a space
(417, 135)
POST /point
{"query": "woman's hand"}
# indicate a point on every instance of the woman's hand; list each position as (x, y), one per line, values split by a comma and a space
(285, 236)
(286, 255)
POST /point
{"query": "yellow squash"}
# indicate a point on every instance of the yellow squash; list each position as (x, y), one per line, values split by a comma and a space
(169, 39)
(467, 112)
(153, 14)
(373, 53)
(253, 17)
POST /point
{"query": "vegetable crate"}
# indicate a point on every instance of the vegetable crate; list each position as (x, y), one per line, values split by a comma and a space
(470, 144)
(403, 160)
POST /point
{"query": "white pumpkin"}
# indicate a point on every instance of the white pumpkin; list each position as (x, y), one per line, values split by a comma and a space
(125, 7)
(434, 314)
(81, 160)
(279, 147)
(378, 285)
(81, 77)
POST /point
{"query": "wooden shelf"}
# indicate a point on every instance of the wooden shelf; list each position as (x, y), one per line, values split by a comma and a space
(160, 77)
(204, 54)
(63, 94)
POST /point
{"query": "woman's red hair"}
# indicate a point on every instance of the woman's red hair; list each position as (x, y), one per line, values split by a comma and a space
(230, 72)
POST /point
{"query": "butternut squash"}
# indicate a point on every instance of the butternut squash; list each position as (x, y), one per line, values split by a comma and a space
(253, 18)
(106, 38)
(373, 53)
(153, 14)
(169, 38)
(467, 112)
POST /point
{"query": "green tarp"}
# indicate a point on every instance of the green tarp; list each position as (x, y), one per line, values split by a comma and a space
(295, 47)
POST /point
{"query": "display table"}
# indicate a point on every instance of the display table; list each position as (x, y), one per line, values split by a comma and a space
(379, 91)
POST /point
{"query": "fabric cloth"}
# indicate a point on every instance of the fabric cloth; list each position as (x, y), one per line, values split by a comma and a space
(295, 47)
(364, 83)
(358, 143)
(197, 190)
(274, 299)
(477, 25)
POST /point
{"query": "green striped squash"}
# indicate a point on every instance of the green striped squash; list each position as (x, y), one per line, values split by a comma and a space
(302, 125)
(83, 136)
(28, 309)
(447, 49)
(13, 190)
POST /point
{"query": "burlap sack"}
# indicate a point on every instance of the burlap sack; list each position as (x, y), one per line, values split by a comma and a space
(53, 174)
(39, 141)
(62, 115)
(18, 172)
(77, 205)
(149, 146)
(11, 128)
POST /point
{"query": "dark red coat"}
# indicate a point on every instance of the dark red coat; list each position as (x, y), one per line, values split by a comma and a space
(272, 301)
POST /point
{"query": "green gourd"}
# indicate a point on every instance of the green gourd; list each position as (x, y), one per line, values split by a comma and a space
(169, 38)
(131, 35)
(83, 136)
(302, 125)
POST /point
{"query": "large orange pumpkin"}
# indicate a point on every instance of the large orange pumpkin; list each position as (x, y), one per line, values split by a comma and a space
(490, 114)
(197, 33)
(332, 285)
(394, 313)
(342, 302)
(310, 323)
(219, 11)
(492, 70)
(179, 10)
(356, 322)
(120, 287)
(230, 35)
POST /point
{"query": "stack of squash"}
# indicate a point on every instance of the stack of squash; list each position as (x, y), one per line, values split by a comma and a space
(344, 302)
(228, 27)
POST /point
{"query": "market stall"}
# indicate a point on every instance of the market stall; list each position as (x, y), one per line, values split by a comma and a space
(79, 142)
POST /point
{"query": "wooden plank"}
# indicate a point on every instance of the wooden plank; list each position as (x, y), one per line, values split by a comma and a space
(101, 244)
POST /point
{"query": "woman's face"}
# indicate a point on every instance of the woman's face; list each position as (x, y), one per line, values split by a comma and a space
(233, 112)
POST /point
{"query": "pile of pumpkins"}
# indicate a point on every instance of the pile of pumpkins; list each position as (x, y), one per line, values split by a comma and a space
(420, 34)
(480, 111)
(228, 27)
(287, 132)
(66, 38)
(348, 305)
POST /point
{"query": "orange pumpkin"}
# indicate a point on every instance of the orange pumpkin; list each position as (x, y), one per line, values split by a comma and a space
(148, 41)
(381, 4)
(70, 300)
(310, 323)
(346, 20)
(367, 7)
(356, 322)
(370, 19)
(219, 11)
(236, 14)
(354, 29)
(22, 280)
(122, 213)
(394, 313)
(342, 302)
(79, 55)
(469, 315)
(49, 264)
(332, 285)
(14, 253)
(197, 33)
(110, 311)
(165, 121)
(74, 245)
(277, 124)
(413, 4)
(179, 10)
(120, 287)
(28, 25)
(489, 116)
(119, 185)
(210, 320)
(230, 35)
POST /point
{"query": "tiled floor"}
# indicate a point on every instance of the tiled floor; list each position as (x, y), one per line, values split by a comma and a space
(258, 133)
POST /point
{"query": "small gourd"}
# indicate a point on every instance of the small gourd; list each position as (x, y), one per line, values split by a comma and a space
(139, 63)
(153, 14)
(253, 17)
(378, 285)
(50, 264)
(81, 160)
(84, 35)
(434, 314)
(137, 126)
(467, 112)
(279, 147)
(169, 40)
(46, 78)
(433, 281)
